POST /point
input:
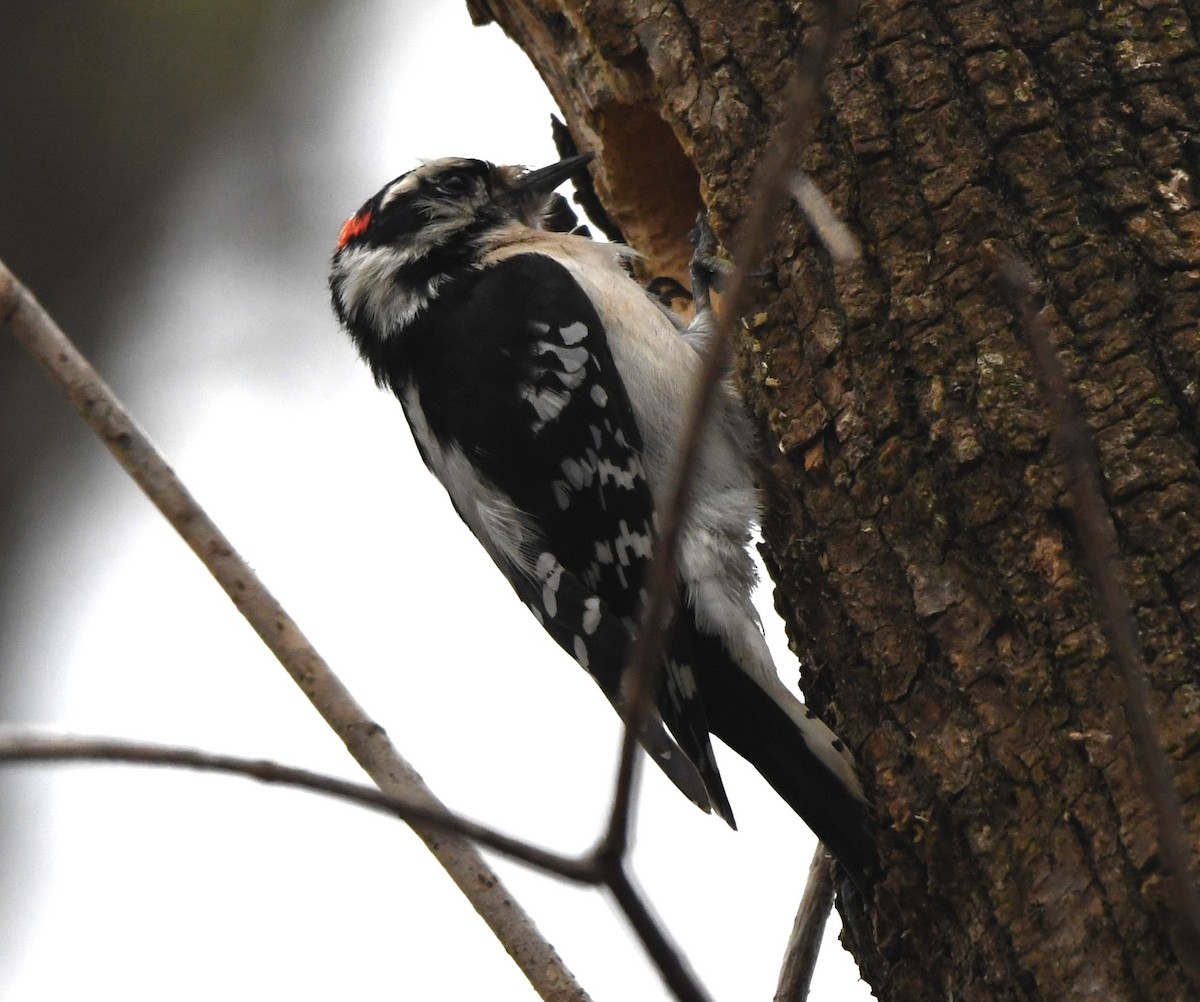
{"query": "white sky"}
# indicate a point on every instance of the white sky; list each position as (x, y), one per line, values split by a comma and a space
(148, 885)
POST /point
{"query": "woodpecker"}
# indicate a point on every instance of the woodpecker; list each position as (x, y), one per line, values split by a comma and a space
(547, 391)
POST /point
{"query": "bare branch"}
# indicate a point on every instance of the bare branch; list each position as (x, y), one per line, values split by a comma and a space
(23, 747)
(18, 746)
(804, 945)
(1098, 539)
(366, 740)
(670, 962)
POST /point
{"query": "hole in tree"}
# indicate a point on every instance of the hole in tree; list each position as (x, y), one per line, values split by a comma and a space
(653, 189)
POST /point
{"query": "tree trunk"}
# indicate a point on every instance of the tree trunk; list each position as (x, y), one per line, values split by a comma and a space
(918, 527)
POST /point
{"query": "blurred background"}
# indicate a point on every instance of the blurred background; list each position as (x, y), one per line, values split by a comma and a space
(172, 178)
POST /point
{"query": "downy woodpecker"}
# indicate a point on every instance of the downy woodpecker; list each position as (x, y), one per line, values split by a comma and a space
(546, 391)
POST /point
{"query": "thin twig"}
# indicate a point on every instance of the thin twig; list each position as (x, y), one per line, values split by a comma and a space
(804, 945)
(842, 245)
(22, 746)
(367, 742)
(671, 963)
(771, 190)
(19, 746)
(1098, 540)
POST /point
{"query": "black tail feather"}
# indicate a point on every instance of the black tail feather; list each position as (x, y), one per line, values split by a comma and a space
(742, 715)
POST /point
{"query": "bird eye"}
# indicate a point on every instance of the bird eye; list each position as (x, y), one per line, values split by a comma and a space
(454, 184)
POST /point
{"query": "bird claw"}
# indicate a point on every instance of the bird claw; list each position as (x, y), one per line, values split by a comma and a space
(707, 270)
(668, 291)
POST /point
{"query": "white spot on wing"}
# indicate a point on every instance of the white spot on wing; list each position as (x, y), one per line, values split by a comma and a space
(578, 474)
(573, 333)
(550, 571)
(572, 361)
(591, 615)
(682, 681)
(637, 543)
(623, 476)
(547, 403)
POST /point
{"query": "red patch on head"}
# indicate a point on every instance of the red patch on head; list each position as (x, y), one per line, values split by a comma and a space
(353, 226)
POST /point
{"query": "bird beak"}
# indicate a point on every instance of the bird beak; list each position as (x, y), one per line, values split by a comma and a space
(546, 179)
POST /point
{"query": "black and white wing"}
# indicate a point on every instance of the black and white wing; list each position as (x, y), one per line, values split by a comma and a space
(523, 417)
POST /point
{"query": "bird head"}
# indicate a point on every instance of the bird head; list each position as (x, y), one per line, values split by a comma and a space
(426, 227)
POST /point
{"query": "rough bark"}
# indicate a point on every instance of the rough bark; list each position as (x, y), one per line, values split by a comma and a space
(918, 527)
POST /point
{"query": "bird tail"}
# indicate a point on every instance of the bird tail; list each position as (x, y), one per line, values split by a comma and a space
(754, 725)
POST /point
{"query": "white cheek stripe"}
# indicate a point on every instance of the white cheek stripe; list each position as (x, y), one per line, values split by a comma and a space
(367, 283)
(407, 183)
